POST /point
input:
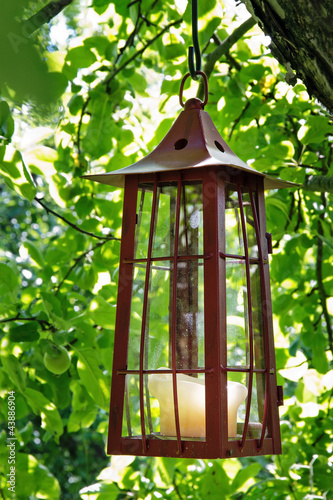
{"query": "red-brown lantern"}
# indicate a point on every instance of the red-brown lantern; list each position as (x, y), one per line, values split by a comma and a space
(194, 365)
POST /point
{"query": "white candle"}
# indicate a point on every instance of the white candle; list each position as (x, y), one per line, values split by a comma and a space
(191, 404)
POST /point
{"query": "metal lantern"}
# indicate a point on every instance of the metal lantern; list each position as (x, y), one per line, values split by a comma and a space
(194, 366)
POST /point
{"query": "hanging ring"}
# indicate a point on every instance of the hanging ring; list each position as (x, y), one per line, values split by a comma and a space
(181, 90)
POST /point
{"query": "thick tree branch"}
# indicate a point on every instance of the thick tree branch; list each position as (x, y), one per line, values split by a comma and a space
(223, 49)
(319, 183)
(301, 40)
(49, 211)
(319, 274)
(43, 16)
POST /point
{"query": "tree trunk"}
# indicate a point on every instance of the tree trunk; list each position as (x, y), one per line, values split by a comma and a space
(301, 34)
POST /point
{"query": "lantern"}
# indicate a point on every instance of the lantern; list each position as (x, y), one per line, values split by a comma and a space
(193, 365)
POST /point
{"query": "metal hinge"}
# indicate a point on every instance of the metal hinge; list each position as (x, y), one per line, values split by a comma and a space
(269, 243)
(279, 395)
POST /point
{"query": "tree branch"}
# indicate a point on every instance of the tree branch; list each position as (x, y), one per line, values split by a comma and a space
(141, 51)
(319, 275)
(223, 49)
(76, 261)
(49, 211)
(43, 16)
(18, 317)
(320, 183)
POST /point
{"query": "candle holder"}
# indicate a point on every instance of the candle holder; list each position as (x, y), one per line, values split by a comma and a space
(193, 367)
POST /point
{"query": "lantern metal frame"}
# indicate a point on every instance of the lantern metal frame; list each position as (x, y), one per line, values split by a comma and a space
(193, 150)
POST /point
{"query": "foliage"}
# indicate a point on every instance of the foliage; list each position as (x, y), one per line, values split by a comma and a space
(108, 85)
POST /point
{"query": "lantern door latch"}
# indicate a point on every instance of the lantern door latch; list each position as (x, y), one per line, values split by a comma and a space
(279, 395)
(269, 243)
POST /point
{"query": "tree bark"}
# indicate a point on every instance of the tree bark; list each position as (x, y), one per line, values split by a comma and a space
(301, 34)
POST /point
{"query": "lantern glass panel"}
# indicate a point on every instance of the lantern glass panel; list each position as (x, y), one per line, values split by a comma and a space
(234, 239)
(169, 300)
(244, 308)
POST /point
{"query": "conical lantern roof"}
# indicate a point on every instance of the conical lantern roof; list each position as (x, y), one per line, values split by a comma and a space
(193, 141)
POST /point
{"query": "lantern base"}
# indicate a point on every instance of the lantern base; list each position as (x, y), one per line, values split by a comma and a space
(161, 446)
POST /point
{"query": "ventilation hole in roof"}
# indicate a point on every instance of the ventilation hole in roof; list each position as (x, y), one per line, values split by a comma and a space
(181, 144)
(219, 146)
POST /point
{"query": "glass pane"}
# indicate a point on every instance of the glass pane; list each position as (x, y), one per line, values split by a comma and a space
(139, 278)
(132, 419)
(237, 400)
(191, 220)
(257, 316)
(234, 241)
(145, 202)
(250, 228)
(191, 404)
(189, 315)
(165, 219)
(237, 397)
(237, 313)
(157, 339)
(233, 226)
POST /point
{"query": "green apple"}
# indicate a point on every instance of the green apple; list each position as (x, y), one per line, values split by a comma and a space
(57, 359)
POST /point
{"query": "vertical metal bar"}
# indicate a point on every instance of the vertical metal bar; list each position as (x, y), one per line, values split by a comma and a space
(120, 353)
(174, 317)
(215, 315)
(150, 423)
(265, 323)
(127, 408)
(249, 303)
(138, 222)
(144, 320)
(272, 408)
(171, 253)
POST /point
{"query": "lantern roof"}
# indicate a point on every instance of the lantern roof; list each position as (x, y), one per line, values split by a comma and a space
(193, 141)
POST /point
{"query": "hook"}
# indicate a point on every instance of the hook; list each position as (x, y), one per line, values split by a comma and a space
(196, 49)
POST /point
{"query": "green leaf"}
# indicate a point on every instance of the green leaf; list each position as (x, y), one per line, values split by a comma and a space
(214, 483)
(75, 104)
(6, 121)
(35, 480)
(14, 371)
(16, 174)
(244, 475)
(41, 160)
(166, 468)
(108, 491)
(98, 138)
(92, 376)
(53, 309)
(84, 411)
(9, 282)
(34, 253)
(51, 420)
(80, 57)
(28, 332)
(315, 129)
(102, 313)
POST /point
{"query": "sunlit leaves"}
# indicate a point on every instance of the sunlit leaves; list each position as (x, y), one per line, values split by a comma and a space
(92, 376)
(16, 174)
(51, 420)
(65, 291)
